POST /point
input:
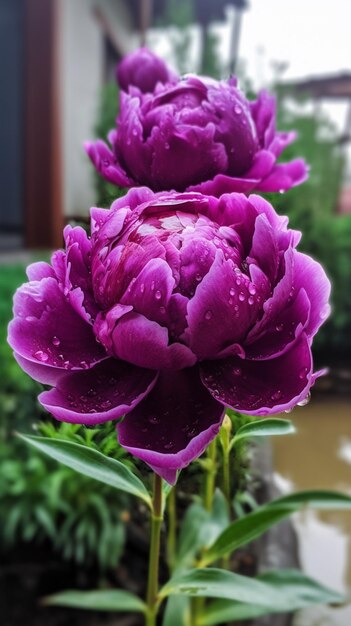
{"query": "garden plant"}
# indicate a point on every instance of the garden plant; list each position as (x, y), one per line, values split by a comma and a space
(185, 305)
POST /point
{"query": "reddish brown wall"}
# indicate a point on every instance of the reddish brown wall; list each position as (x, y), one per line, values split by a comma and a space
(43, 189)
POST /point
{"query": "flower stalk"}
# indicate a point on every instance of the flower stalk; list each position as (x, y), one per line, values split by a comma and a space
(171, 528)
(210, 476)
(154, 555)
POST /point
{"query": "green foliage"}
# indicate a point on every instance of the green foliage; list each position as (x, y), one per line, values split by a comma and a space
(42, 502)
(297, 592)
(311, 208)
(89, 462)
(218, 583)
(179, 14)
(263, 428)
(101, 600)
(106, 193)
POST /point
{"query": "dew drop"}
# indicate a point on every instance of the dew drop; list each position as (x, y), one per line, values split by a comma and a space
(106, 405)
(305, 400)
(238, 281)
(303, 373)
(198, 277)
(279, 328)
(91, 393)
(230, 301)
(142, 288)
(252, 289)
(232, 291)
(158, 295)
(55, 341)
(208, 315)
(251, 300)
(153, 285)
(276, 395)
(153, 419)
(169, 445)
(41, 356)
(237, 109)
(241, 296)
(237, 371)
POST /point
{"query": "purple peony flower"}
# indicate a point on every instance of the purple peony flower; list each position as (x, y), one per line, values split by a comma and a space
(178, 306)
(199, 135)
(143, 69)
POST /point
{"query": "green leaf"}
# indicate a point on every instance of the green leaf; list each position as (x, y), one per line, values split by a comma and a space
(200, 528)
(263, 428)
(177, 611)
(297, 591)
(253, 525)
(91, 463)
(104, 600)
(244, 530)
(316, 499)
(274, 592)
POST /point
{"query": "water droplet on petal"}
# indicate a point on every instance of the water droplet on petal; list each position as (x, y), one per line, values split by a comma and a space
(241, 296)
(251, 300)
(84, 365)
(276, 395)
(158, 295)
(303, 372)
(169, 445)
(232, 291)
(153, 419)
(238, 281)
(106, 405)
(208, 315)
(237, 109)
(305, 400)
(279, 327)
(142, 288)
(237, 371)
(41, 356)
(55, 341)
(252, 289)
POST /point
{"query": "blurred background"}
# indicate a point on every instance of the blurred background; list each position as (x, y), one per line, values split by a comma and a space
(57, 69)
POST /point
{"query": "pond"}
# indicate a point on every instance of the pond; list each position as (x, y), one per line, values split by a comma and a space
(319, 456)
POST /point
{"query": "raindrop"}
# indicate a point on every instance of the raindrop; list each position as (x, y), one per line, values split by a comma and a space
(276, 395)
(232, 291)
(279, 327)
(237, 109)
(305, 400)
(251, 300)
(208, 315)
(237, 371)
(241, 296)
(91, 393)
(303, 372)
(142, 288)
(238, 281)
(41, 356)
(55, 341)
(153, 419)
(230, 301)
(158, 295)
(198, 277)
(252, 289)
(106, 405)
(169, 445)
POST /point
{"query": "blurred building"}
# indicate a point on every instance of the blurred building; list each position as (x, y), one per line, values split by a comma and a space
(55, 57)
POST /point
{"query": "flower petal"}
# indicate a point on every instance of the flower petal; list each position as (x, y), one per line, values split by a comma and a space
(47, 331)
(145, 343)
(106, 163)
(174, 424)
(106, 392)
(221, 311)
(311, 276)
(262, 387)
(284, 176)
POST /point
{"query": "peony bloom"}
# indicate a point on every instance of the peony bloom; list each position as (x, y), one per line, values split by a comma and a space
(143, 69)
(199, 135)
(177, 306)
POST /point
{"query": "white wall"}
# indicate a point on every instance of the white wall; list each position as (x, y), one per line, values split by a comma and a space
(81, 61)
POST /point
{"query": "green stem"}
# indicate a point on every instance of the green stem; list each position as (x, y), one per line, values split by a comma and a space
(226, 476)
(154, 556)
(172, 528)
(210, 478)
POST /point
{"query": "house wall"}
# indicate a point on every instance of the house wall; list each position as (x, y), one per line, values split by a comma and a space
(81, 78)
